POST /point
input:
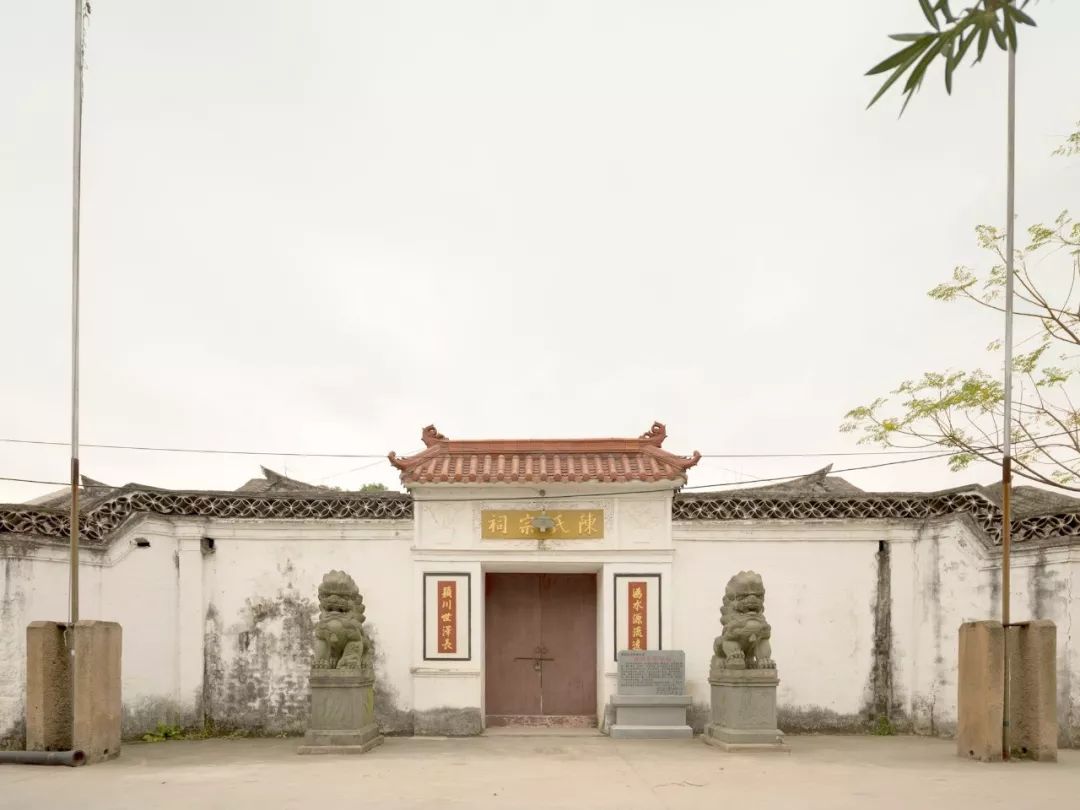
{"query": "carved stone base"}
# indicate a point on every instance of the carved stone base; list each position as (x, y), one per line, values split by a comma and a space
(650, 717)
(743, 712)
(342, 713)
(779, 748)
(322, 748)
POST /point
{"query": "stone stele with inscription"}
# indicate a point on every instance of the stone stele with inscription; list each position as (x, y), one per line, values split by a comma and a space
(342, 674)
(651, 702)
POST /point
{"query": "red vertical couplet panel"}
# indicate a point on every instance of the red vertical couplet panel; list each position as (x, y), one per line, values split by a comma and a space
(447, 616)
(637, 634)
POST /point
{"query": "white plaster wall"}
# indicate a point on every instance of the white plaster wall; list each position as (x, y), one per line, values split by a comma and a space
(261, 604)
(441, 688)
(1044, 584)
(820, 584)
(175, 603)
(954, 578)
(441, 683)
(140, 588)
(136, 586)
(236, 617)
(948, 588)
(904, 612)
(31, 588)
(1069, 686)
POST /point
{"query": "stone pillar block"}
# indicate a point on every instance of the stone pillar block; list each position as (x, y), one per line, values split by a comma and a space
(342, 713)
(1033, 727)
(95, 685)
(48, 688)
(980, 703)
(98, 708)
(743, 711)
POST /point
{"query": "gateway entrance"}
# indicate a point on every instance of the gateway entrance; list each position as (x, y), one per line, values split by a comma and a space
(540, 656)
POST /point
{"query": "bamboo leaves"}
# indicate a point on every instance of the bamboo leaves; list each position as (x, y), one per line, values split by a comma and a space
(951, 41)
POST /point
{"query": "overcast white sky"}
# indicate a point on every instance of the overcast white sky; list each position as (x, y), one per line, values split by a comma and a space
(320, 226)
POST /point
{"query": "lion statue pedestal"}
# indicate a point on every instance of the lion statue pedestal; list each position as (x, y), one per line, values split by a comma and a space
(342, 674)
(743, 675)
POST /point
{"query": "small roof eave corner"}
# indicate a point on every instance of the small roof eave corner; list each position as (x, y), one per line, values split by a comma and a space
(397, 461)
(652, 442)
(432, 440)
(681, 463)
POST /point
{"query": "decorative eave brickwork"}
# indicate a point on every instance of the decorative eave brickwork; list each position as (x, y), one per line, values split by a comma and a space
(726, 506)
(111, 513)
(102, 518)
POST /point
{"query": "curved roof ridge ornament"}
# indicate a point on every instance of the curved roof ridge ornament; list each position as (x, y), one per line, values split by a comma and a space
(655, 435)
(430, 436)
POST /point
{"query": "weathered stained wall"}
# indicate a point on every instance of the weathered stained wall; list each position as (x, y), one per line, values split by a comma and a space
(856, 630)
(947, 576)
(222, 636)
(260, 605)
(33, 585)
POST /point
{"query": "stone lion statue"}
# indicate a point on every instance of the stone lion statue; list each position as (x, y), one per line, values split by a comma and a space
(340, 639)
(744, 643)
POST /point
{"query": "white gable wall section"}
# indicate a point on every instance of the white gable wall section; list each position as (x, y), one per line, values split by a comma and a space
(820, 586)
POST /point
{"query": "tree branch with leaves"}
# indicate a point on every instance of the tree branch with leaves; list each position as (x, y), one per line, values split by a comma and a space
(963, 411)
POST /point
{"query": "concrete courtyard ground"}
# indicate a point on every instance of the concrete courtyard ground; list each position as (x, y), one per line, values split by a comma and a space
(578, 771)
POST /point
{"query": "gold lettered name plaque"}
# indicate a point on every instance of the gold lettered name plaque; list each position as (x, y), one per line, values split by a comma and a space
(517, 524)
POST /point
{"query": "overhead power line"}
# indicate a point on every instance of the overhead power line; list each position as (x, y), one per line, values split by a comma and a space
(205, 450)
(817, 455)
(382, 456)
(39, 481)
(533, 498)
(831, 472)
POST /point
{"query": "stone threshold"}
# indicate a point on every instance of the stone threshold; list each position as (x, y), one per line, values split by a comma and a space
(541, 720)
(542, 731)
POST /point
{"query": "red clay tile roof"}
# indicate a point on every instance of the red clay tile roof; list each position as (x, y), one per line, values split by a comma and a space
(548, 460)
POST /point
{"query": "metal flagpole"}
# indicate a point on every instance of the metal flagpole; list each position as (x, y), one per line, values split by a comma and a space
(1006, 461)
(76, 171)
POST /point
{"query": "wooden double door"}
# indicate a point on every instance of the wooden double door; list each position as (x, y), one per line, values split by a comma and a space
(540, 648)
